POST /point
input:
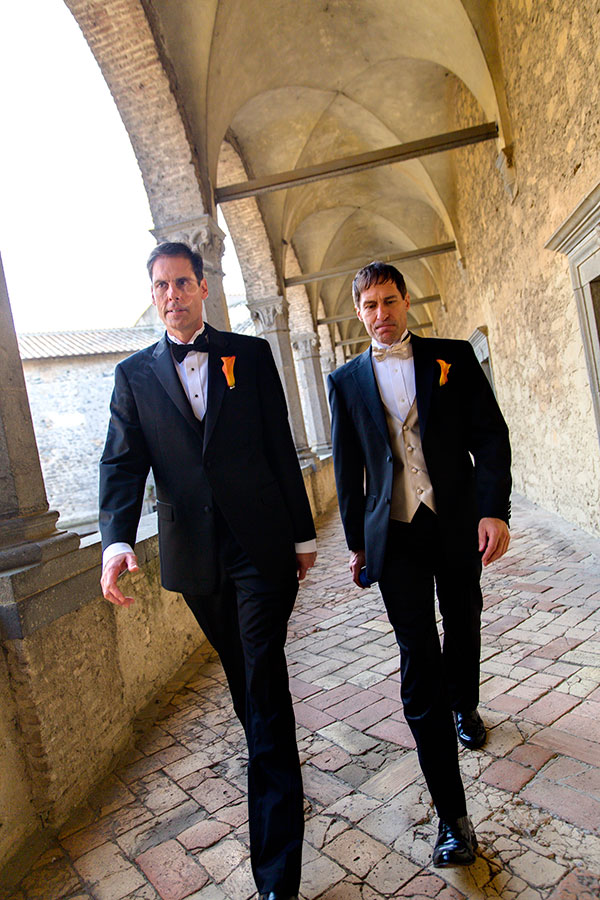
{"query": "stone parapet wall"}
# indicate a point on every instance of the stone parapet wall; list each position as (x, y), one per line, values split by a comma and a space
(76, 671)
(73, 681)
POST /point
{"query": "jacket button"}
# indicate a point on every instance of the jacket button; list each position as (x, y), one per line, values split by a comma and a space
(390, 459)
(207, 509)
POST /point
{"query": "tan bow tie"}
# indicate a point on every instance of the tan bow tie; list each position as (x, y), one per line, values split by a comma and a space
(401, 349)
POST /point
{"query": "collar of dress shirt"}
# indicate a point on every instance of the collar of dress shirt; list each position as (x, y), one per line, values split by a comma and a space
(376, 343)
(191, 340)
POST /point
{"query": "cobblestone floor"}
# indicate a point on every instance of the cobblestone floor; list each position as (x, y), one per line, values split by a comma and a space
(171, 823)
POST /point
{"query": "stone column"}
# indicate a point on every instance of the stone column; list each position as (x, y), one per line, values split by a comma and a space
(204, 235)
(270, 318)
(328, 365)
(310, 376)
(28, 532)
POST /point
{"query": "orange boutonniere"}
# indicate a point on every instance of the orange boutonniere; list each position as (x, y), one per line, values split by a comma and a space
(228, 363)
(445, 368)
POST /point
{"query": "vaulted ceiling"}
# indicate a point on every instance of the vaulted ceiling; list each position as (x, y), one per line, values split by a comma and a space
(293, 84)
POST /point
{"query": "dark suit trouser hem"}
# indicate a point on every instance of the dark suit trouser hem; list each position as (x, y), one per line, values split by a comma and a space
(246, 622)
(419, 557)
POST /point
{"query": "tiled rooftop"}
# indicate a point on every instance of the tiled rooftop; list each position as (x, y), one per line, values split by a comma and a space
(53, 344)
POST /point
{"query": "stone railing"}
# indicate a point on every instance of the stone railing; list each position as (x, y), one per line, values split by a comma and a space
(75, 672)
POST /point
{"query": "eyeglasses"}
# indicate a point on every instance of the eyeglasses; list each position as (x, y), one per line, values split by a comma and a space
(181, 285)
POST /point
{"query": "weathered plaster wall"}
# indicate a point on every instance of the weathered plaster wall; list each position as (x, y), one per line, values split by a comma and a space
(71, 688)
(510, 283)
(17, 814)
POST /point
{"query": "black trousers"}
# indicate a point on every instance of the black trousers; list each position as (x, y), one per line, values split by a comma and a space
(421, 559)
(246, 622)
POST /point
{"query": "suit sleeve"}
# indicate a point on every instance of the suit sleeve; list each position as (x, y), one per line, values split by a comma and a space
(279, 446)
(489, 443)
(124, 467)
(349, 467)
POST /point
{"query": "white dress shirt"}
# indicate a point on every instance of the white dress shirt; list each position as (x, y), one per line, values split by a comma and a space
(193, 374)
(396, 381)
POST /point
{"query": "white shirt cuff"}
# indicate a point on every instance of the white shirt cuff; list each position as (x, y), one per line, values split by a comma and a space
(307, 546)
(114, 550)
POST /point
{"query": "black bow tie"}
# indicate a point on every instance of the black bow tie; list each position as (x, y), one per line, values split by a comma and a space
(180, 351)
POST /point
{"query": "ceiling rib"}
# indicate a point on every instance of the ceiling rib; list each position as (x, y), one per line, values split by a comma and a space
(348, 269)
(348, 165)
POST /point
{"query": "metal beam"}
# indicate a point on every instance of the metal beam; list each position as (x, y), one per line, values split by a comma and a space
(420, 301)
(347, 269)
(348, 165)
(363, 340)
(333, 319)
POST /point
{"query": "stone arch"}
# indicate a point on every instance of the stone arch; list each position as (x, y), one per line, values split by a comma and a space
(124, 46)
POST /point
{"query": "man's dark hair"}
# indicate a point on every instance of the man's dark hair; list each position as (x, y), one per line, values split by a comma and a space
(177, 248)
(376, 273)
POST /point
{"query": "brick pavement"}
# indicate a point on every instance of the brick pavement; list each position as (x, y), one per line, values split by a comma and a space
(171, 821)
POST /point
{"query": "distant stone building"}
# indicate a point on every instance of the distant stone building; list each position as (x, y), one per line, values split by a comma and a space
(70, 376)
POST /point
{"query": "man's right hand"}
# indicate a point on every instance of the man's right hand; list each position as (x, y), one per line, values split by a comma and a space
(122, 562)
(357, 562)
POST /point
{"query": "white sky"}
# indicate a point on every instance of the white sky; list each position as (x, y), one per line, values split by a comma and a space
(74, 217)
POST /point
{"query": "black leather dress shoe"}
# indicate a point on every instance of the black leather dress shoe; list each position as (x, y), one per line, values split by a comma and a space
(272, 895)
(470, 729)
(456, 844)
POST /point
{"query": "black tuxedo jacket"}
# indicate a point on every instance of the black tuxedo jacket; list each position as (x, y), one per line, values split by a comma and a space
(241, 458)
(456, 419)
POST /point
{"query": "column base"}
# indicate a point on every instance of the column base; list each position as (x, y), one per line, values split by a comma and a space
(29, 540)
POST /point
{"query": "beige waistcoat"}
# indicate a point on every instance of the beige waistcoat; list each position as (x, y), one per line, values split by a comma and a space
(412, 485)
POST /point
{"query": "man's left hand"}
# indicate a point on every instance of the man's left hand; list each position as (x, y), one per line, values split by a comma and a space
(494, 538)
(304, 562)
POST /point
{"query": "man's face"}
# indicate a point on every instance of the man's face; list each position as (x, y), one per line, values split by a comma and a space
(177, 296)
(383, 311)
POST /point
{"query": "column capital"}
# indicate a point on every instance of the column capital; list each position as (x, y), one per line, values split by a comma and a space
(202, 234)
(306, 344)
(269, 314)
(328, 361)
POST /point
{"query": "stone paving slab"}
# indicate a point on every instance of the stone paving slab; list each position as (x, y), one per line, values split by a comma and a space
(171, 822)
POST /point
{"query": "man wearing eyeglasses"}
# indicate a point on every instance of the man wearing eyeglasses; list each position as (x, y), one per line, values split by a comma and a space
(205, 410)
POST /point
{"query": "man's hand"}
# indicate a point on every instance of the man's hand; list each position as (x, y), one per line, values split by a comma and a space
(122, 562)
(356, 563)
(304, 562)
(494, 538)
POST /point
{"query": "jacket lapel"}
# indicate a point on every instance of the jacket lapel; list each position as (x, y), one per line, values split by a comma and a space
(163, 367)
(367, 385)
(218, 343)
(424, 376)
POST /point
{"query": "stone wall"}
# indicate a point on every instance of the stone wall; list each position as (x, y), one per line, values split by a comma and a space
(510, 283)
